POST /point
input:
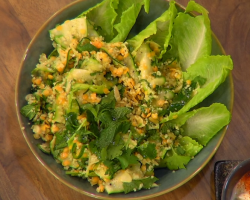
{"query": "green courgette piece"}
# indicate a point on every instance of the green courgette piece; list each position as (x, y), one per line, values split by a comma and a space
(84, 41)
(44, 147)
(73, 151)
(53, 53)
(129, 62)
(86, 47)
(42, 69)
(68, 58)
(114, 59)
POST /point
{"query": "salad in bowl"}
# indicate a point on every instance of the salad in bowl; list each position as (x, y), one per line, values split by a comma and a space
(111, 107)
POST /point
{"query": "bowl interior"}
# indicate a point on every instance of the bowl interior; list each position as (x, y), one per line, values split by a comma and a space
(237, 173)
(41, 43)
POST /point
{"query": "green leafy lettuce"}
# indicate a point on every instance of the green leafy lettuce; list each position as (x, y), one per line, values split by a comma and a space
(191, 36)
(198, 127)
(214, 69)
(114, 19)
(158, 31)
(103, 15)
(127, 12)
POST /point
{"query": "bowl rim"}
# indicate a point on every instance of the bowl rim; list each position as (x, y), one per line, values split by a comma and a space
(88, 193)
(235, 171)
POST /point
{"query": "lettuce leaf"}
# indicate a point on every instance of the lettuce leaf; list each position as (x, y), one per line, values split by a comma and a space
(206, 123)
(198, 126)
(103, 15)
(127, 12)
(191, 37)
(114, 18)
(146, 5)
(214, 69)
(202, 124)
(190, 146)
(159, 31)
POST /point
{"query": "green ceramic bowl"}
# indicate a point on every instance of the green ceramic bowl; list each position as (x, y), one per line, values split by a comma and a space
(168, 181)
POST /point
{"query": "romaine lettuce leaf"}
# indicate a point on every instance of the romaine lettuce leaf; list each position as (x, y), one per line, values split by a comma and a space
(206, 123)
(146, 5)
(175, 160)
(114, 18)
(159, 31)
(203, 123)
(214, 69)
(103, 15)
(190, 146)
(198, 126)
(191, 37)
(127, 12)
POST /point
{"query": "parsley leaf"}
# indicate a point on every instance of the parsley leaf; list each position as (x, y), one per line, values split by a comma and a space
(127, 158)
(175, 161)
(148, 150)
(115, 148)
(29, 110)
(113, 167)
(146, 183)
(131, 186)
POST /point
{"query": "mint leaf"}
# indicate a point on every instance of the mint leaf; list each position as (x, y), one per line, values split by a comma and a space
(107, 134)
(61, 140)
(120, 112)
(104, 153)
(105, 117)
(29, 110)
(124, 127)
(90, 108)
(147, 150)
(108, 102)
(127, 158)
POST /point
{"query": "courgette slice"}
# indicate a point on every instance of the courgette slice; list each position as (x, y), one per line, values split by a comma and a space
(45, 147)
(129, 62)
